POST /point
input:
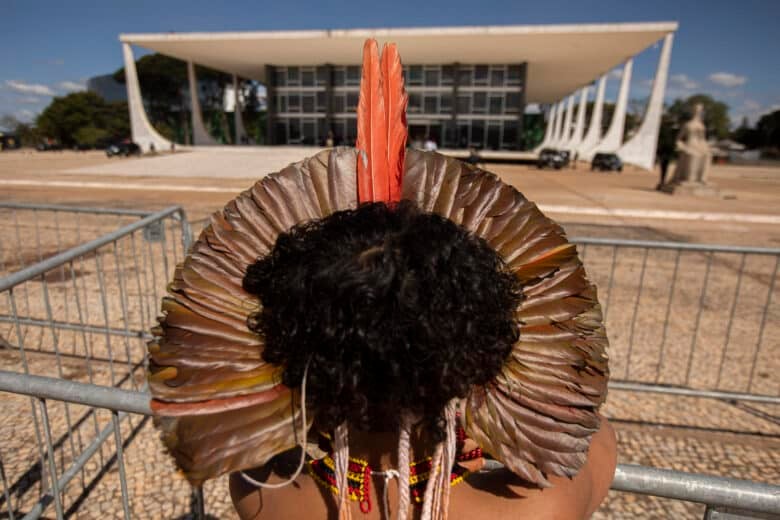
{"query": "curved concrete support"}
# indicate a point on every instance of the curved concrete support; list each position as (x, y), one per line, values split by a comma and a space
(548, 131)
(614, 136)
(640, 149)
(556, 139)
(579, 126)
(593, 136)
(566, 131)
(200, 136)
(241, 137)
(142, 131)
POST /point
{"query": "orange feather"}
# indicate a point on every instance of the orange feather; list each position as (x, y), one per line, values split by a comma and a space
(395, 111)
(381, 122)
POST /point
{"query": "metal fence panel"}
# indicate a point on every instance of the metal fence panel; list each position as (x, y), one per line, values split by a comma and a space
(80, 312)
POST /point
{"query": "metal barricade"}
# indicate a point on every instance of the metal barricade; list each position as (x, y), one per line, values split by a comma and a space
(715, 492)
(689, 319)
(81, 312)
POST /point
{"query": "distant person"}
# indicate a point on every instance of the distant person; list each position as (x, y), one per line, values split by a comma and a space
(330, 141)
(473, 159)
(430, 145)
(152, 148)
(574, 162)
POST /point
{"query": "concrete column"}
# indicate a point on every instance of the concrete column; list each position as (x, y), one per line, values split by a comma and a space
(237, 119)
(200, 136)
(640, 149)
(548, 130)
(558, 124)
(142, 131)
(593, 136)
(566, 130)
(579, 126)
(614, 136)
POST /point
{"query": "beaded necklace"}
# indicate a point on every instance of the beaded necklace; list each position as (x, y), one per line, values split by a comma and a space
(359, 474)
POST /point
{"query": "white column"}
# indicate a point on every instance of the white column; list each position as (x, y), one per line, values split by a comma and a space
(614, 136)
(558, 125)
(566, 133)
(237, 119)
(593, 136)
(548, 131)
(142, 131)
(579, 126)
(200, 135)
(640, 149)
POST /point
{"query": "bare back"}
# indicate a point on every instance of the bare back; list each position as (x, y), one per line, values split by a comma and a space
(496, 494)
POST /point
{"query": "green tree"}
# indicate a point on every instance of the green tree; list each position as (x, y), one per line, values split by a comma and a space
(716, 114)
(768, 129)
(746, 135)
(83, 118)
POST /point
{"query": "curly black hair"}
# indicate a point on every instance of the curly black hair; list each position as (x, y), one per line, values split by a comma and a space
(399, 310)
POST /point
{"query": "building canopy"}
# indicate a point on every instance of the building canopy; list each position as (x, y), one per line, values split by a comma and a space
(560, 58)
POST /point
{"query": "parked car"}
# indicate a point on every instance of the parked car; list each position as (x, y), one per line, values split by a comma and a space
(550, 158)
(606, 162)
(124, 148)
(566, 157)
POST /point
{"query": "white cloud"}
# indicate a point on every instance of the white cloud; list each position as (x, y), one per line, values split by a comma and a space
(29, 100)
(682, 81)
(29, 88)
(24, 115)
(727, 79)
(616, 74)
(71, 86)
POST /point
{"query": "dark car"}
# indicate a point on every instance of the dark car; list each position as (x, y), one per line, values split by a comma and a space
(550, 158)
(124, 149)
(606, 162)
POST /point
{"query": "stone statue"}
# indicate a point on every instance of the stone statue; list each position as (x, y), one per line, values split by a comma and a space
(693, 158)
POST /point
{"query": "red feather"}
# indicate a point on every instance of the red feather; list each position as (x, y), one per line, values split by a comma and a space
(381, 125)
(395, 110)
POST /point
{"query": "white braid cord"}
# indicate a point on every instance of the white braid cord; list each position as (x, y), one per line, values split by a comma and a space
(301, 442)
(388, 474)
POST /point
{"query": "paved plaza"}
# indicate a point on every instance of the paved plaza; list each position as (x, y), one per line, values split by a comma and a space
(688, 434)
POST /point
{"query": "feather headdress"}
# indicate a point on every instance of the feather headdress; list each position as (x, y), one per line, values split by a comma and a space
(222, 408)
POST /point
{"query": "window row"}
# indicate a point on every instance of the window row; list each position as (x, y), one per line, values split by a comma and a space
(419, 103)
(315, 131)
(414, 75)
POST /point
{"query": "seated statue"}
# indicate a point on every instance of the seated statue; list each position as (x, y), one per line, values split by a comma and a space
(694, 154)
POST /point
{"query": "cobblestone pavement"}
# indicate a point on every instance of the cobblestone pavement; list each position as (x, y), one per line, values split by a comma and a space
(657, 317)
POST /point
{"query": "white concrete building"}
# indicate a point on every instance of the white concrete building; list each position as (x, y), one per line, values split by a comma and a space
(468, 86)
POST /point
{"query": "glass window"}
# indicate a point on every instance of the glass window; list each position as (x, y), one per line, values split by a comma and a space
(464, 76)
(353, 75)
(281, 103)
(415, 75)
(432, 77)
(322, 101)
(322, 130)
(510, 134)
(512, 103)
(295, 130)
(340, 103)
(308, 103)
(351, 131)
(494, 135)
(339, 77)
(480, 102)
(464, 104)
(352, 101)
(495, 104)
(294, 102)
(430, 105)
(497, 77)
(280, 77)
(309, 136)
(280, 131)
(445, 103)
(322, 76)
(415, 103)
(447, 74)
(307, 78)
(477, 132)
(293, 77)
(514, 73)
(480, 75)
(463, 135)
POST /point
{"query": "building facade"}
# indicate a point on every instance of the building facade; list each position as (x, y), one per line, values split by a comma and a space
(455, 105)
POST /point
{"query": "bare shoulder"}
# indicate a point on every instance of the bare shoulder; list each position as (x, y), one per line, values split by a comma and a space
(501, 494)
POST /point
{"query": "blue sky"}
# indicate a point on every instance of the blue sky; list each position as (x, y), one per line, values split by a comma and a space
(725, 48)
